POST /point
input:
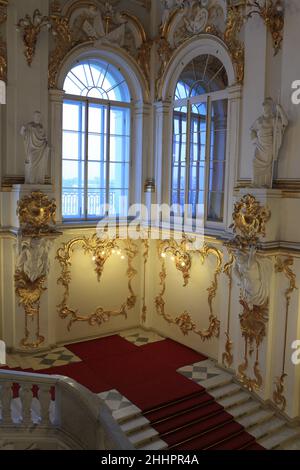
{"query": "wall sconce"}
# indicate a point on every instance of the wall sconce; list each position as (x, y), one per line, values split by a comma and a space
(272, 13)
(31, 28)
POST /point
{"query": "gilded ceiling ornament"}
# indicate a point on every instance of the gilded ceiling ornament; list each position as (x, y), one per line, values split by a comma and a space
(284, 266)
(36, 214)
(249, 221)
(181, 255)
(31, 27)
(105, 248)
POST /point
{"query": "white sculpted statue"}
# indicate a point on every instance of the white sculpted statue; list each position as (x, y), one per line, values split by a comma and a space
(267, 134)
(253, 274)
(36, 151)
(33, 258)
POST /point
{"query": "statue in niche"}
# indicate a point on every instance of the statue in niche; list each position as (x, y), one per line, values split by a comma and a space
(253, 274)
(267, 135)
(36, 150)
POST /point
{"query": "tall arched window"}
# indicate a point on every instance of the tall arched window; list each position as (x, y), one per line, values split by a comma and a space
(200, 138)
(96, 142)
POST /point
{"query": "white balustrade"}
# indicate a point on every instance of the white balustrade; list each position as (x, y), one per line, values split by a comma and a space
(33, 405)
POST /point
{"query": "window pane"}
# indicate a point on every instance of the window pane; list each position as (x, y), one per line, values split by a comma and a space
(73, 116)
(119, 202)
(215, 206)
(72, 203)
(216, 177)
(119, 149)
(97, 147)
(96, 175)
(73, 145)
(120, 121)
(179, 154)
(98, 79)
(97, 118)
(96, 203)
(73, 174)
(119, 175)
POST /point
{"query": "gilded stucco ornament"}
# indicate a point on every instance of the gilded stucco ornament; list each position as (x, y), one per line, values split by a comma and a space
(95, 246)
(182, 257)
(3, 45)
(31, 27)
(96, 23)
(36, 214)
(185, 20)
(249, 221)
(146, 246)
(30, 283)
(272, 14)
(284, 266)
(227, 356)
(253, 275)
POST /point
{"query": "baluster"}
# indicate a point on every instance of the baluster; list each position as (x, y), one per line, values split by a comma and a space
(45, 398)
(6, 396)
(26, 400)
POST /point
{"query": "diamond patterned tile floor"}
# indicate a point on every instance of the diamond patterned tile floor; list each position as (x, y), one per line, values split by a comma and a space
(54, 358)
(114, 400)
(200, 371)
(141, 337)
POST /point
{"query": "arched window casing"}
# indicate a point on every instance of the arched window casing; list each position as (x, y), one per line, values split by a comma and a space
(96, 142)
(197, 119)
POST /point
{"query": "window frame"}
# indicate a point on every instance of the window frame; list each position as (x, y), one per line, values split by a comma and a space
(109, 104)
(188, 102)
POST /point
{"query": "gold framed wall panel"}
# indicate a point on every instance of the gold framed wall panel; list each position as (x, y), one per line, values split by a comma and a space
(101, 250)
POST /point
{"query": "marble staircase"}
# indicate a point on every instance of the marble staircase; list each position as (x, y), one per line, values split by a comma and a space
(269, 429)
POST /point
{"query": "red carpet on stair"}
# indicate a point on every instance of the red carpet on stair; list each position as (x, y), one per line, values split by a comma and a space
(185, 416)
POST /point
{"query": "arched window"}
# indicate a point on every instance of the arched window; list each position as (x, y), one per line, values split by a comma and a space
(200, 138)
(96, 142)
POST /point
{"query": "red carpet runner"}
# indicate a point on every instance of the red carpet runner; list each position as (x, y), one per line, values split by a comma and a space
(186, 417)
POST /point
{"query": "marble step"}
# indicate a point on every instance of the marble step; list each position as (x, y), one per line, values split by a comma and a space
(267, 428)
(251, 406)
(135, 424)
(280, 438)
(255, 418)
(217, 381)
(233, 400)
(125, 414)
(291, 444)
(140, 437)
(157, 444)
(225, 390)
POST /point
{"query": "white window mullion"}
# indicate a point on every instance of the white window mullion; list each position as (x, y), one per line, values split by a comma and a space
(207, 155)
(86, 157)
(108, 158)
(188, 155)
